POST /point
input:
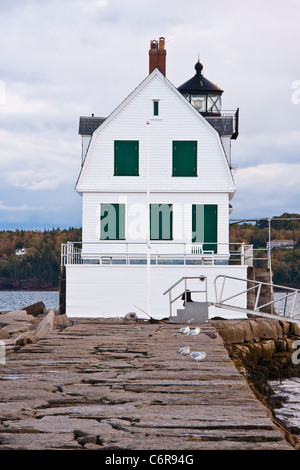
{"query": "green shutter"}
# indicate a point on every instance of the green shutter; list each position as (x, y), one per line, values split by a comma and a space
(185, 158)
(205, 225)
(161, 221)
(126, 158)
(155, 108)
(112, 222)
(210, 227)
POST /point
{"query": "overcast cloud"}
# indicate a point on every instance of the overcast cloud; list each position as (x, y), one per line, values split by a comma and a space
(63, 59)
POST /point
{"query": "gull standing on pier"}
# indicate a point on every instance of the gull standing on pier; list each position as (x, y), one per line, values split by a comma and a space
(198, 356)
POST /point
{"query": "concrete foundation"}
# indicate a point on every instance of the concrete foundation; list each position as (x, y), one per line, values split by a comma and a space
(194, 312)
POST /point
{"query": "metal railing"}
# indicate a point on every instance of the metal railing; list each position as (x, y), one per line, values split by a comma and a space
(183, 294)
(291, 293)
(108, 252)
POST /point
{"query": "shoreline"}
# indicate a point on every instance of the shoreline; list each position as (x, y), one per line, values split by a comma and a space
(264, 359)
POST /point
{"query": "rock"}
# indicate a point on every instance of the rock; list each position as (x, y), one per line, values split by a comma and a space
(295, 329)
(35, 309)
(15, 316)
(269, 329)
(281, 345)
(88, 439)
(62, 320)
(231, 331)
(285, 325)
(17, 327)
(4, 334)
(255, 330)
(268, 349)
(24, 339)
(255, 350)
(45, 326)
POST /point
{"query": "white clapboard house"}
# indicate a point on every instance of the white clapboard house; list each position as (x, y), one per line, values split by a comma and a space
(156, 187)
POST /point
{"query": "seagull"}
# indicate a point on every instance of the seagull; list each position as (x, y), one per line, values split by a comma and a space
(185, 330)
(198, 356)
(194, 332)
(185, 351)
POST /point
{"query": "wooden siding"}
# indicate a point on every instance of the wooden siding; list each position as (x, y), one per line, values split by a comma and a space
(111, 291)
(177, 120)
(136, 214)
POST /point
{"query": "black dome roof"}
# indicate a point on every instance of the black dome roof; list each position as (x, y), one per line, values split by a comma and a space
(198, 84)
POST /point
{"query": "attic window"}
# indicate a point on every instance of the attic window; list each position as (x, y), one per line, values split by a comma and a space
(155, 108)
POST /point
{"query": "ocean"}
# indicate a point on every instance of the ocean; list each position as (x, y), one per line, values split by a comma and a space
(15, 300)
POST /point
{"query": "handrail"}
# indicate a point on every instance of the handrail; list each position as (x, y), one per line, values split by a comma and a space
(258, 285)
(185, 278)
(168, 251)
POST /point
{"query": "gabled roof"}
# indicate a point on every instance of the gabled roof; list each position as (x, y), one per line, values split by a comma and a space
(106, 121)
(88, 124)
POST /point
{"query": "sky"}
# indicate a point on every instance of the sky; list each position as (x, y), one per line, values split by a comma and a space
(61, 59)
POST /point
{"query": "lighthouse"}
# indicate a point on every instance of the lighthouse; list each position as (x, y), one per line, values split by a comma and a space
(156, 187)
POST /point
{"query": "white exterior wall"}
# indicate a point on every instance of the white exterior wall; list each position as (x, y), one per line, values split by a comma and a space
(85, 143)
(136, 215)
(177, 120)
(112, 291)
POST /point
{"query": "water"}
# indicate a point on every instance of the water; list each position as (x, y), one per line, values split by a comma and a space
(14, 300)
(288, 389)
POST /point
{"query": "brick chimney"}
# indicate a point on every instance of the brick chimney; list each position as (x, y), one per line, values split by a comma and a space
(157, 56)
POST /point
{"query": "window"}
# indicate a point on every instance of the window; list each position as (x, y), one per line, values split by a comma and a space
(155, 108)
(126, 158)
(161, 221)
(112, 222)
(204, 225)
(185, 158)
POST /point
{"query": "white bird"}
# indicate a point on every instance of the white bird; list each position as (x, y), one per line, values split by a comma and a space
(185, 330)
(194, 332)
(198, 356)
(185, 351)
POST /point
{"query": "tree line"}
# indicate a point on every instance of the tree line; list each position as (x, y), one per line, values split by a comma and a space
(39, 267)
(285, 261)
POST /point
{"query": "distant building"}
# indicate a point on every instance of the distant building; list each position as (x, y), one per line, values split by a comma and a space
(281, 244)
(21, 252)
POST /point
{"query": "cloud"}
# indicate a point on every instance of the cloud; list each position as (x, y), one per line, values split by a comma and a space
(266, 190)
(77, 57)
(25, 208)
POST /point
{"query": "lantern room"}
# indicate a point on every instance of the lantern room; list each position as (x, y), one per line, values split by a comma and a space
(204, 95)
